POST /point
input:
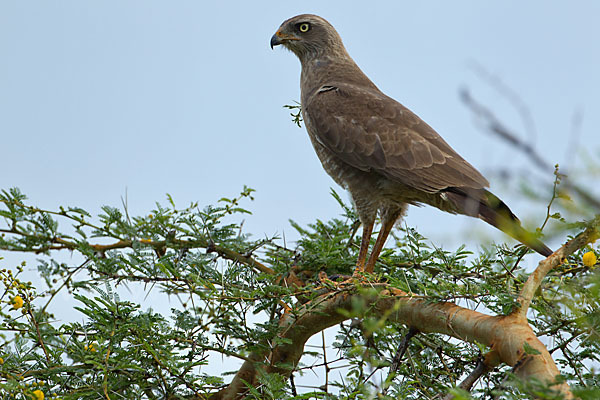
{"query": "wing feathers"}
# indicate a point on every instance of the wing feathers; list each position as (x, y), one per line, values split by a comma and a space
(371, 131)
(486, 206)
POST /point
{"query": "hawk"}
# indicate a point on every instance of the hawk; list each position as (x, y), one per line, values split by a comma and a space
(379, 150)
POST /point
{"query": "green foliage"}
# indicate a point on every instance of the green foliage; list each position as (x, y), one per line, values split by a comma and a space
(296, 116)
(231, 297)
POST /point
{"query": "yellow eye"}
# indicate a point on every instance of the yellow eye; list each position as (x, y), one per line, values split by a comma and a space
(304, 27)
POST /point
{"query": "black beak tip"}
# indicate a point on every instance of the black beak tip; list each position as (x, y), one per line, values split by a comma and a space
(275, 41)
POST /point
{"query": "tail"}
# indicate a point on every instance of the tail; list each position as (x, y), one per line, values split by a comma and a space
(486, 206)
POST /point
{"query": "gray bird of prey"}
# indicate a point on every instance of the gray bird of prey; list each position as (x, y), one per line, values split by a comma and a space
(380, 151)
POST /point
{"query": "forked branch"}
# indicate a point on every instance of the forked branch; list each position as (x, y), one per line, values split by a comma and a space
(545, 266)
(508, 336)
(505, 335)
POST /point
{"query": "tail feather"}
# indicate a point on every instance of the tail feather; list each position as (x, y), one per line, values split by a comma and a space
(489, 208)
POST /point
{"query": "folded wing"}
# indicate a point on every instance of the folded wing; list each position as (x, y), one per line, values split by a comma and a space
(371, 131)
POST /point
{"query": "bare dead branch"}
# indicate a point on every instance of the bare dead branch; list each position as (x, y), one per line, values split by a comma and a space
(494, 126)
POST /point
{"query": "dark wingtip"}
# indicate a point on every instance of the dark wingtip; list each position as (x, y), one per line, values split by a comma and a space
(486, 206)
(543, 250)
(497, 213)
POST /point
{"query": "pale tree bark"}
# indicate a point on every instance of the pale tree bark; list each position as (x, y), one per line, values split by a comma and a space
(505, 335)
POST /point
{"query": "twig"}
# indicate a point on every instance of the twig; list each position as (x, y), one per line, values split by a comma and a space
(65, 282)
(484, 365)
(293, 385)
(39, 334)
(325, 362)
(402, 347)
(63, 244)
(557, 177)
(535, 279)
(497, 128)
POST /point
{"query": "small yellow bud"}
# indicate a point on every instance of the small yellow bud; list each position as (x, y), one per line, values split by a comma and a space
(39, 395)
(17, 302)
(146, 240)
(1, 360)
(589, 259)
(90, 347)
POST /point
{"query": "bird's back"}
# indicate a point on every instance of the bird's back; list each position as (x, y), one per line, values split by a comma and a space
(361, 127)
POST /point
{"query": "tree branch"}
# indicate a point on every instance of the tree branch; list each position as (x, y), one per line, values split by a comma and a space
(495, 127)
(506, 335)
(63, 244)
(535, 279)
(484, 365)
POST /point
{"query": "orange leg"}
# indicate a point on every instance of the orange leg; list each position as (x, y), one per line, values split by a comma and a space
(387, 224)
(364, 245)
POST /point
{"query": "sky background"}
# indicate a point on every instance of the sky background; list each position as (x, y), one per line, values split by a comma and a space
(144, 98)
(99, 100)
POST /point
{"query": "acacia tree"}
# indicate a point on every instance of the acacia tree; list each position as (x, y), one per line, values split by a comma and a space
(430, 324)
(472, 318)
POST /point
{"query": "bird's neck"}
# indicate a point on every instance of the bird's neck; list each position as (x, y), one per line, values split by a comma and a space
(326, 70)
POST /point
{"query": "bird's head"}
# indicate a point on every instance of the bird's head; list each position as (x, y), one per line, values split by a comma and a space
(308, 36)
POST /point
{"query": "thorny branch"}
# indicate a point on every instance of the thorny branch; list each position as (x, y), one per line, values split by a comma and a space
(59, 243)
(506, 335)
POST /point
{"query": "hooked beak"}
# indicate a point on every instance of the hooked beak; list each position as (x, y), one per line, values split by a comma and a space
(275, 41)
(280, 38)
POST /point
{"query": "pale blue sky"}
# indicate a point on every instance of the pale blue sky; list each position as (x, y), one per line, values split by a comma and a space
(185, 97)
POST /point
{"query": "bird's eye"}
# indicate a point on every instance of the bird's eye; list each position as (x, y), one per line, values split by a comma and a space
(304, 27)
